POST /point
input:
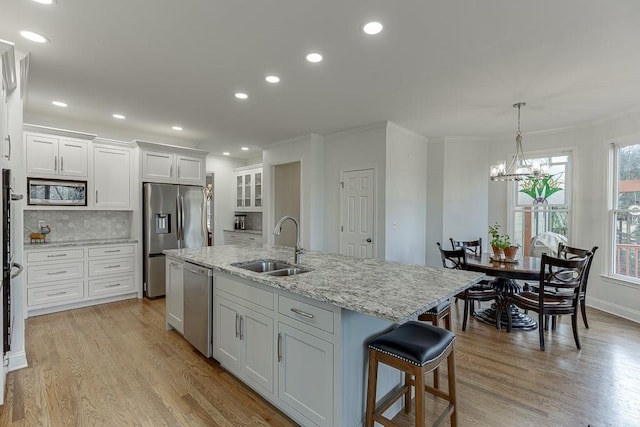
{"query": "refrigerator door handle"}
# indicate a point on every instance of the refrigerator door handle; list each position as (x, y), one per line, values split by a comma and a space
(182, 216)
(178, 221)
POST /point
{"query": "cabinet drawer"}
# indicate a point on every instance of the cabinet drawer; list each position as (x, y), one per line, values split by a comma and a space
(231, 238)
(62, 254)
(111, 286)
(306, 313)
(100, 267)
(244, 291)
(110, 251)
(53, 295)
(56, 272)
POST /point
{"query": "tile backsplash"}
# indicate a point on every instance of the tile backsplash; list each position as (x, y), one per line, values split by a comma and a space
(70, 225)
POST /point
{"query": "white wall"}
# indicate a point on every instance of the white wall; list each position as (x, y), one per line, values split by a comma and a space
(435, 208)
(286, 200)
(224, 194)
(406, 195)
(590, 219)
(354, 149)
(308, 150)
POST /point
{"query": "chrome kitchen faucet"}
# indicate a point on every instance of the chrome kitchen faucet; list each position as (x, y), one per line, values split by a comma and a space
(278, 228)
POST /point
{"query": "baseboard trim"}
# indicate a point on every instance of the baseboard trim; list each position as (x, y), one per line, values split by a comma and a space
(615, 309)
(17, 360)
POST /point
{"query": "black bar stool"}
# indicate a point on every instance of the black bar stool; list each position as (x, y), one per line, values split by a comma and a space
(415, 348)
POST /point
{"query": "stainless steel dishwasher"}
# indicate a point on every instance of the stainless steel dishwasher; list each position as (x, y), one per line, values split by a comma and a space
(198, 285)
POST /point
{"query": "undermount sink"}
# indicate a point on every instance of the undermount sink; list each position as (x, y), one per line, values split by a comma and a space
(272, 267)
(288, 271)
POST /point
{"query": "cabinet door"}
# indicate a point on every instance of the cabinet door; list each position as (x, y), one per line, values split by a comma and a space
(257, 190)
(73, 158)
(239, 191)
(175, 295)
(157, 166)
(228, 333)
(112, 177)
(256, 334)
(191, 170)
(306, 374)
(42, 155)
(248, 201)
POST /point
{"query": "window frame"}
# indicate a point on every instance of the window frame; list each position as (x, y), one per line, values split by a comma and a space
(570, 188)
(612, 206)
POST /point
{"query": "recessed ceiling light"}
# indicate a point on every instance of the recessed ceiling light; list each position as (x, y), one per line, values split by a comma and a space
(176, 128)
(245, 148)
(226, 153)
(272, 79)
(372, 28)
(34, 37)
(241, 95)
(119, 116)
(314, 57)
(44, 1)
(59, 104)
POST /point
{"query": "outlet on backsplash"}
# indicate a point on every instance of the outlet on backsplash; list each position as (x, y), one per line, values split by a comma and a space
(41, 223)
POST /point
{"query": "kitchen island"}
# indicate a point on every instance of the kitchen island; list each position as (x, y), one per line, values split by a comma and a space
(300, 340)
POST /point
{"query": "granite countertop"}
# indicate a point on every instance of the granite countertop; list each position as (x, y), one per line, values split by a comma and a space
(71, 243)
(246, 231)
(388, 290)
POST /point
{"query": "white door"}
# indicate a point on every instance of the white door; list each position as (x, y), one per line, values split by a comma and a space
(356, 214)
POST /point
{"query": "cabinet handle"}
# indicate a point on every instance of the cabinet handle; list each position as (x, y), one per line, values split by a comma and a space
(170, 171)
(55, 163)
(112, 286)
(56, 294)
(96, 196)
(56, 256)
(111, 266)
(237, 333)
(279, 347)
(241, 326)
(178, 171)
(61, 164)
(302, 313)
(8, 139)
(51, 273)
(112, 251)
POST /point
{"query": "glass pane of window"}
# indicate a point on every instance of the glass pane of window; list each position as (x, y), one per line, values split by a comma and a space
(627, 244)
(628, 176)
(532, 222)
(550, 190)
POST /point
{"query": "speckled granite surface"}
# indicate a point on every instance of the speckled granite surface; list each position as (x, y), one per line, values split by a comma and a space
(71, 243)
(388, 290)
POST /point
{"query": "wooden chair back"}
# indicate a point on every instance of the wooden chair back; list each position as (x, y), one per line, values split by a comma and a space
(565, 275)
(473, 247)
(569, 252)
(454, 259)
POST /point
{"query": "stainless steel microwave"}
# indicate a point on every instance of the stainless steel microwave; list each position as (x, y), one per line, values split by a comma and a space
(56, 192)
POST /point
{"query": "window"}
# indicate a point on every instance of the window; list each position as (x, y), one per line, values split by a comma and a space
(541, 207)
(625, 212)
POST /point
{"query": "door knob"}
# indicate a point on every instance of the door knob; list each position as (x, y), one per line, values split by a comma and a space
(369, 240)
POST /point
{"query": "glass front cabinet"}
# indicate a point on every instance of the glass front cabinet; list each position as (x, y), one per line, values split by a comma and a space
(249, 190)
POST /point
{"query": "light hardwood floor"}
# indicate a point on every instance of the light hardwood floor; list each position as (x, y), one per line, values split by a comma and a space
(115, 365)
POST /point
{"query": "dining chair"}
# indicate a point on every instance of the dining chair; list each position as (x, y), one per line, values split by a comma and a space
(472, 247)
(483, 291)
(569, 252)
(565, 275)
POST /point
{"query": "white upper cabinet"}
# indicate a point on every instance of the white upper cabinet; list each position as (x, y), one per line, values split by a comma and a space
(56, 156)
(249, 190)
(112, 177)
(172, 165)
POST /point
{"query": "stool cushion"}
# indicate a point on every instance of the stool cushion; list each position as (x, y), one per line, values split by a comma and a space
(414, 342)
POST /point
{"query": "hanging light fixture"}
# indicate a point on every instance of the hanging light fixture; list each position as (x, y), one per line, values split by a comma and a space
(519, 168)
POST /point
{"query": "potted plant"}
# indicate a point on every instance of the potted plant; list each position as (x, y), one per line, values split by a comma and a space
(501, 243)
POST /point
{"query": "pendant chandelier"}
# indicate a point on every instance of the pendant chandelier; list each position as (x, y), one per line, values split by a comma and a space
(519, 168)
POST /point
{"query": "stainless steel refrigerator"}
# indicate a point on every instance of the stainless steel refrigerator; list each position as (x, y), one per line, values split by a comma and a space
(174, 217)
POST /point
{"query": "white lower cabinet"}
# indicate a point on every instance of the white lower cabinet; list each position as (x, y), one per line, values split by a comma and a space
(63, 278)
(282, 346)
(175, 295)
(245, 342)
(305, 374)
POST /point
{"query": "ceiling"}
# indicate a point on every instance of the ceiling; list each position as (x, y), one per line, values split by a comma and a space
(439, 68)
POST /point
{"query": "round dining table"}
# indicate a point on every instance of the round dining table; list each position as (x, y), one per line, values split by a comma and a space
(505, 275)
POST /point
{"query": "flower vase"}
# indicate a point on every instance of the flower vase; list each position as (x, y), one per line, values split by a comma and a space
(497, 252)
(510, 252)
